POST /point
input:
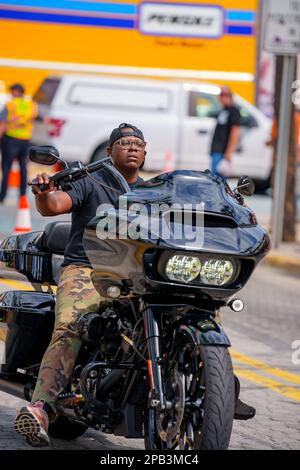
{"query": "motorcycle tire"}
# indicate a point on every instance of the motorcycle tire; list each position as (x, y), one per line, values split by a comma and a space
(217, 407)
(66, 428)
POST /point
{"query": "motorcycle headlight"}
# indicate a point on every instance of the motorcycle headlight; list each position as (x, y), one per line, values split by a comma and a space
(217, 272)
(182, 268)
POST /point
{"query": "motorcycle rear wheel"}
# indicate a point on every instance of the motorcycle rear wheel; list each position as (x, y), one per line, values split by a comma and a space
(209, 426)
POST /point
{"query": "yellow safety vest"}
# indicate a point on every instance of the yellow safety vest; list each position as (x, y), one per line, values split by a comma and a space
(21, 114)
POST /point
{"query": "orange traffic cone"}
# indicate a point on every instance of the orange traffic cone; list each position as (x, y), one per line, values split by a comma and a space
(14, 178)
(23, 221)
(168, 163)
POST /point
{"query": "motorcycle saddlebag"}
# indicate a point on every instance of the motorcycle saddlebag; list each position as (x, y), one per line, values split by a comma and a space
(26, 325)
(37, 255)
(25, 254)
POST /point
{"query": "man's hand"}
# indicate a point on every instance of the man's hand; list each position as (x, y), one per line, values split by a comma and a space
(228, 157)
(224, 168)
(52, 201)
(42, 179)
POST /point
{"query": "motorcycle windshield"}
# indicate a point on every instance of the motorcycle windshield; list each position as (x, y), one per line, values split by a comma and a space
(196, 190)
(183, 209)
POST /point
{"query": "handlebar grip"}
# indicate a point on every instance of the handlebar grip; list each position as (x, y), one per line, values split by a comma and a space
(43, 187)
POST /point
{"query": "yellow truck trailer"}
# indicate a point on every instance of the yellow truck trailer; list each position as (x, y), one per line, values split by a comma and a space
(211, 40)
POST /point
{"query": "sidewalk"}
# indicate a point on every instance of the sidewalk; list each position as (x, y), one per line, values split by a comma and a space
(287, 256)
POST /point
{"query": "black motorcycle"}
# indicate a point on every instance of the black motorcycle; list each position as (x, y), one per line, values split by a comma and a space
(154, 362)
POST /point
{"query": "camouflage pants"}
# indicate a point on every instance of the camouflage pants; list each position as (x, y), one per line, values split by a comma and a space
(75, 296)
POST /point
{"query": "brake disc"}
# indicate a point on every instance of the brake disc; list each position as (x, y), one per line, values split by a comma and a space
(168, 422)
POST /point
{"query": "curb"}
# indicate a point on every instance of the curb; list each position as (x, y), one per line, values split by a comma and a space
(279, 260)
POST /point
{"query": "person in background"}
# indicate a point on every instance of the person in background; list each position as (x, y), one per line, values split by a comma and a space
(274, 132)
(273, 141)
(227, 132)
(16, 125)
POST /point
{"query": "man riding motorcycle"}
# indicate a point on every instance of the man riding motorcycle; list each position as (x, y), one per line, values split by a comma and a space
(76, 293)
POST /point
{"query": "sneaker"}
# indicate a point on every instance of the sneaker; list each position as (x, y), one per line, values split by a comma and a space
(32, 422)
(243, 411)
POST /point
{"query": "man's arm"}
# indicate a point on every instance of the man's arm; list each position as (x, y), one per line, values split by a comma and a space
(55, 203)
(52, 201)
(234, 138)
(235, 132)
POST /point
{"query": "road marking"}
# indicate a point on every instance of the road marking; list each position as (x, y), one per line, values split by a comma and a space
(288, 376)
(16, 284)
(3, 334)
(21, 285)
(278, 387)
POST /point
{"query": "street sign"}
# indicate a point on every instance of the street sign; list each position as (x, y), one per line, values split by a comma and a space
(281, 36)
(281, 23)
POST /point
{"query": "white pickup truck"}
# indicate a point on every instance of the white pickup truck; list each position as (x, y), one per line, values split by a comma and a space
(78, 112)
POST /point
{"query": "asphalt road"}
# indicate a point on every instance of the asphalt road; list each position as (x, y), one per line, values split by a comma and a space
(264, 337)
(264, 340)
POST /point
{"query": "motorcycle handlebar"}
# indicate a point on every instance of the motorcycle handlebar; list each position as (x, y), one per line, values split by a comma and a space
(77, 171)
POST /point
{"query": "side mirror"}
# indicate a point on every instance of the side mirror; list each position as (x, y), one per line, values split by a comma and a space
(45, 155)
(246, 186)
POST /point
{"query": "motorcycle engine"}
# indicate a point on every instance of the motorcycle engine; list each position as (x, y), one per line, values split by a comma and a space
(106, 331)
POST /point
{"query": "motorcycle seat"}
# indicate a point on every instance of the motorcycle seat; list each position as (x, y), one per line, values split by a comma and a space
(55, 237)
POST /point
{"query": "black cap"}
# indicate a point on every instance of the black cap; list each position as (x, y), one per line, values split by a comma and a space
(119, 132)
(17, 87)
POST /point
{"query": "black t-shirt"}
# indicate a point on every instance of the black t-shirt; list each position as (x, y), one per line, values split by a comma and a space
(86, 196)
(227, 118)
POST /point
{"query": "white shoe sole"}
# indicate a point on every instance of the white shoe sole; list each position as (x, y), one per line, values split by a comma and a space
(29, 426)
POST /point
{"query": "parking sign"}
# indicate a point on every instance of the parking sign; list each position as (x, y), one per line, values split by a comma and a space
(281, 22)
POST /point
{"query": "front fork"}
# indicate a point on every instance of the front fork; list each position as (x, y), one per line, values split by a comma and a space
(158, 399)
(202, 331)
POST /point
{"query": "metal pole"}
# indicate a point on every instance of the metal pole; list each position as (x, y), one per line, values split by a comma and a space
(258, 51)
(284, 126)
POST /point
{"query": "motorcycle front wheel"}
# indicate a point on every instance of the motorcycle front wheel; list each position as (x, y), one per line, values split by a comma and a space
(200, 383)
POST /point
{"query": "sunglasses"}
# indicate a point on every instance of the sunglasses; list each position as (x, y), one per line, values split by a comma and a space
(127, 143)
